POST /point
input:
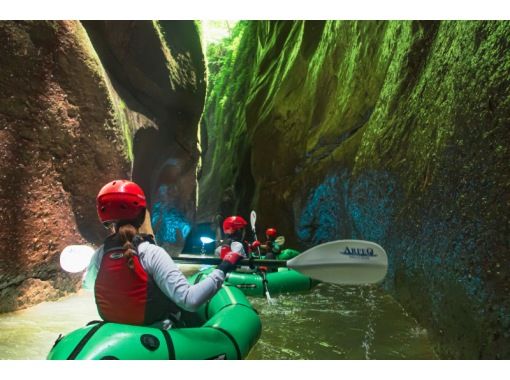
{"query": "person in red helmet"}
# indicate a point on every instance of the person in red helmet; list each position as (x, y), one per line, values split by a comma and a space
(134, 280)
(271, 248)
(271, 232)
(234, 228)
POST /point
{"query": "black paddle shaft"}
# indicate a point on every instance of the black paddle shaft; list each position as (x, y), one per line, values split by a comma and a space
(244, 262)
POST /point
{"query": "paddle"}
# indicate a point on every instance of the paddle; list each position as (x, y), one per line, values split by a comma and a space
(344, 262)
(253, 219)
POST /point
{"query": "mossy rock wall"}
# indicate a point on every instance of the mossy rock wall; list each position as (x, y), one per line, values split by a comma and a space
(395, 132)
(80, 107)
(60, 141)
(225, 138)
(157, 70)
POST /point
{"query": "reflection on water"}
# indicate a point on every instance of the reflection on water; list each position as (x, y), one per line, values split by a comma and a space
(330, 322)
(336, 322)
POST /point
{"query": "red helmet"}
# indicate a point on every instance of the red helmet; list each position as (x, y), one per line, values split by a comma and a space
(233, 224)
(120, 200)
(271, 232)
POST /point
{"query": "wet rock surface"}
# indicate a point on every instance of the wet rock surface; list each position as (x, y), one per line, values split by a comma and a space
(158, 70)
(59, 142)
(71, 120)
(387, 131)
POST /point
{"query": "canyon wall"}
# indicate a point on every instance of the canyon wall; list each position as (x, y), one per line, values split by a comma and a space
(80, 107)
(395, 132)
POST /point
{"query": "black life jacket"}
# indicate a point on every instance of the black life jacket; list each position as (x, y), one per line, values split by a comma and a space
(125, 295)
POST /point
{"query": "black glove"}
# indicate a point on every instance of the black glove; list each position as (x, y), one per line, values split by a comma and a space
(229, 262)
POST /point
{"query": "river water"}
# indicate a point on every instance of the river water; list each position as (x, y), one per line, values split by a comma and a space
(329, 322)
(338, 322)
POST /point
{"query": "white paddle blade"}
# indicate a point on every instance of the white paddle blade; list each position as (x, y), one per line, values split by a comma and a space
(237, 247)
(253, 219)
(76, 258)
(206, 240)
(344, 262)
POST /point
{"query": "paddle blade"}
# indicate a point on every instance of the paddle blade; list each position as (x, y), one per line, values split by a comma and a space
(253, 219)
(206, 240)
(344, 262)
(280, 240)
(76, 258)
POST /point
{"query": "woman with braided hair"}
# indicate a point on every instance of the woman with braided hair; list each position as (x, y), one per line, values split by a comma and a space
(134, 280)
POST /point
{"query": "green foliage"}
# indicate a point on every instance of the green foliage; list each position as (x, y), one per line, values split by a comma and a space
(224, 118)
(221, 57)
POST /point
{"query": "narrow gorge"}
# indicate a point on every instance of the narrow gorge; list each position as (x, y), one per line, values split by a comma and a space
(390, 131)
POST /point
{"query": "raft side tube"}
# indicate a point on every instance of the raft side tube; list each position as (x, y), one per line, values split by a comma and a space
(113, 341)
(228, 309)
(285, 280)
(231, 329)
(64, 346)
(203, 344)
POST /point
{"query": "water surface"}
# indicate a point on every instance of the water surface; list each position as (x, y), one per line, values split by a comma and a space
(339, 322)
(329, 322)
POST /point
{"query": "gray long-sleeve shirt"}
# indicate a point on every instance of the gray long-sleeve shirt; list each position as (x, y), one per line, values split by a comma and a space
(160, 266)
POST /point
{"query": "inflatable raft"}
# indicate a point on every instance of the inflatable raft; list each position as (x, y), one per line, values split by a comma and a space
(230, 328)
(251, 283)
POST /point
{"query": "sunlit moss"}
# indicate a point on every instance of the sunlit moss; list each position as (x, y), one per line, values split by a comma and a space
(170, 63)
(407, 117)
(91, 59)
(225, 82)
(127, 133)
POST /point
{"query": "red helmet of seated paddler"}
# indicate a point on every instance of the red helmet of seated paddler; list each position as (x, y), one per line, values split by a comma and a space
(120, 200)
(233, 224)
(271, 232)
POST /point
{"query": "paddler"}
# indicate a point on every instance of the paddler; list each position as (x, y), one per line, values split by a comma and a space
(234, 228)
(271, 248)
(135, 281)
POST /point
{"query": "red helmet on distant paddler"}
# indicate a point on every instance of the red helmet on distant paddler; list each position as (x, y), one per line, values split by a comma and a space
(233, 224)
(120, 200)
(271, 232)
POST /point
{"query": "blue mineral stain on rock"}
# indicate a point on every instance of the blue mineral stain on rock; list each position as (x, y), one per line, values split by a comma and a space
(319, 221)
(340, 208)
(434, 255)
(371, 204)
(169, 223)
(434, 246)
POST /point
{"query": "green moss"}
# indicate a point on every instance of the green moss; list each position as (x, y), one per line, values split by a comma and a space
(90, 57)
(424, 104)
(121, 113)
(170, 63)
(228, 83)
(117, 106)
